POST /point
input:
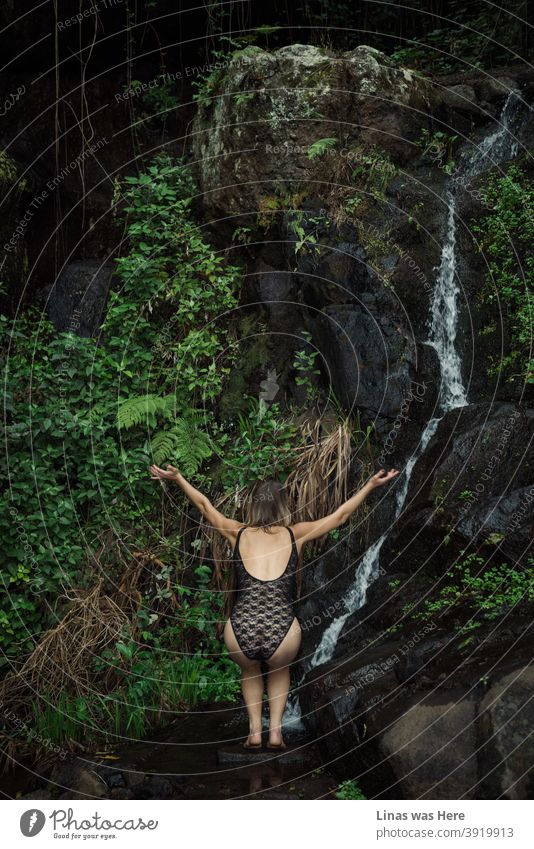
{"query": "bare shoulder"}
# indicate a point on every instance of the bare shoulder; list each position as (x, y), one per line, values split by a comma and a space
(230, 533)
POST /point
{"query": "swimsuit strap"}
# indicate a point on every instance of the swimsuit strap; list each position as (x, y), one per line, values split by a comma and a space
(236, 548)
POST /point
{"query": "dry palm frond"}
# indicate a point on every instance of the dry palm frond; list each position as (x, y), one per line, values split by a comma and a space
(60, 661)
(137, 581)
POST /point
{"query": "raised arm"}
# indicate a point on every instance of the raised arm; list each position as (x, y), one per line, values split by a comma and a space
(227, 527)
(306, 531)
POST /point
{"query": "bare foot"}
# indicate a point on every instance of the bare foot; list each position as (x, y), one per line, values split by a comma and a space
(275, 737)
(253, 739)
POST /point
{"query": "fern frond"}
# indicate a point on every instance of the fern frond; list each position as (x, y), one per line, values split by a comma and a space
(184, 445)
(163, 445)
(138, 408)
(320, 146)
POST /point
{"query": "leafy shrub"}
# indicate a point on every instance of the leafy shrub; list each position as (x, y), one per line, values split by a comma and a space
(506, 235)
(349, 790)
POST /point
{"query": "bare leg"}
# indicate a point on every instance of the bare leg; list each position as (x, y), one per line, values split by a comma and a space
(251, 683)
(278, 680)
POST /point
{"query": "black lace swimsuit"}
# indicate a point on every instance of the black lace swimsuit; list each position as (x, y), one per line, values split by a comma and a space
(263, 611)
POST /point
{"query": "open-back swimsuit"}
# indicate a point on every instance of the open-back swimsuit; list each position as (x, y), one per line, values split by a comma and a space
(263, 612)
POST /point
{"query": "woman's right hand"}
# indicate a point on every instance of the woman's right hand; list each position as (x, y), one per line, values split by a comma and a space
(382, 477)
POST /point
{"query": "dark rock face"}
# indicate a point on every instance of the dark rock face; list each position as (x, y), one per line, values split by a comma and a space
(425, 719)
(77, 300)
(17, 185)
(358, 349)
(473, 480)
(416, 717)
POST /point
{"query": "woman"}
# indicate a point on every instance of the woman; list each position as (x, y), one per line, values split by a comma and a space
(263, 625)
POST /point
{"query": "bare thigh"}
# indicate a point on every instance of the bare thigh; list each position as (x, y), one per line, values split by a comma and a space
(288, 648)
(235, 652)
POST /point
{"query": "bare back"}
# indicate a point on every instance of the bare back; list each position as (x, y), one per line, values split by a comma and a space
(265, 555)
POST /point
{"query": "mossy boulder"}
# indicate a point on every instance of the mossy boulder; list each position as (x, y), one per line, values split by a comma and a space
(259, 115)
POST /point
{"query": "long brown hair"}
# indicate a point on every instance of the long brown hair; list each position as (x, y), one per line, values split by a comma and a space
(268, 505)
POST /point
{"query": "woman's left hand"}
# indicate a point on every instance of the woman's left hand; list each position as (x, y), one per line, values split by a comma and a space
(168, 474)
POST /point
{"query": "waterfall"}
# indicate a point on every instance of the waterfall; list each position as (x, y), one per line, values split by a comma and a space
(368, 570)
(500, 144)
(494, 148)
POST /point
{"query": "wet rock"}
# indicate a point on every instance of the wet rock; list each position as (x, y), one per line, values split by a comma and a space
(462, 98)
(360, 354)
(430, 748)
(495, 88)
(305, 756)
(79, 780)
(478, 458)
(431, 718)
(133, 778)
(115, 779)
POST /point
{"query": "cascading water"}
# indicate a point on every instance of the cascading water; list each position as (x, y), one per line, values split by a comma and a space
(494, 148)
(500, 144)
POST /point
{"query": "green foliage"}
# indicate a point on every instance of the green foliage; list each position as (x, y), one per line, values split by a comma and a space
(184, 444)
(244, 97)
(470, 35)
(304, 365)
(306, 228)
(264, 446)
(160, 98)
(319, 147)
(437, 148)
(490, 593)
(465, 495)
(155, 680)
(163, 348)
(506, 236)
(206, 84)
(242, 235)
(141, 409)
(349, 790)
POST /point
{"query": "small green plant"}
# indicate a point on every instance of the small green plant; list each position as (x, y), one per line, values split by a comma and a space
(306, 228)
(242, 235)
(244, 97)
(465, 495)
(374, 170)
(206, 84)
(394, 583)
(437, 148)
(304, 365)
(321, 146)
(349, 790)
